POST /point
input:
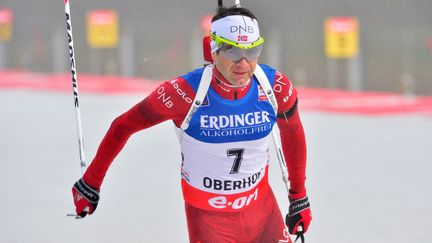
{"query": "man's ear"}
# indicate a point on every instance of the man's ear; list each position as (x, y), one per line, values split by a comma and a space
(213, 55)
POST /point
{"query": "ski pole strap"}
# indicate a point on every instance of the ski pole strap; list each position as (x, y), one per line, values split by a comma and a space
(301, 237)
(300, 233)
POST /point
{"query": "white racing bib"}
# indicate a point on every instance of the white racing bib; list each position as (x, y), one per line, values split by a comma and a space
(225, 150)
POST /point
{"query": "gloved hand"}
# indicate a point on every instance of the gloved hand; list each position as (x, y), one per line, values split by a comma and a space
(85, 198)
(299, 213)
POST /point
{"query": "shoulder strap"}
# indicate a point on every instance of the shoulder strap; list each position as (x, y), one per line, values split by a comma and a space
(265, 84)
(199, 96)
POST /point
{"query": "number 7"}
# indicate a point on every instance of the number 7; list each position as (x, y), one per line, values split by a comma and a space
(238, 153)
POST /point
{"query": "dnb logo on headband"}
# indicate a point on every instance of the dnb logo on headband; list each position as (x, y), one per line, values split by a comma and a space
(239, 29)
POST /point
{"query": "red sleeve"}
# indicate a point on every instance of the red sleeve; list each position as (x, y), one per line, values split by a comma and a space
(285, 92)
(291, 132)
(170, 101)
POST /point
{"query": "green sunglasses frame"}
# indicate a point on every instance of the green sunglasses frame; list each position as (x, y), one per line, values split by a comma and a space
(219, 40)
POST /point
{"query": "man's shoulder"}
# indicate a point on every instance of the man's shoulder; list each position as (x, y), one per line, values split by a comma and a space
(266, 67)
(268, 70)
(283, 89)
(272, 74)
(193, 77)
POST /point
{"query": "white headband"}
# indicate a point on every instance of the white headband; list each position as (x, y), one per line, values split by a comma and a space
(237, 28)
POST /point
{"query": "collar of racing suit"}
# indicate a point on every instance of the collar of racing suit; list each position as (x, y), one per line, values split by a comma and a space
(222, 87)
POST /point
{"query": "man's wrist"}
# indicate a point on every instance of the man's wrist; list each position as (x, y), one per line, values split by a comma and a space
(89, 193)
(294, 195)
(91, 181)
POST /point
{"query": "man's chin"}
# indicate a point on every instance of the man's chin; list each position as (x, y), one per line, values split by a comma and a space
(240, 79)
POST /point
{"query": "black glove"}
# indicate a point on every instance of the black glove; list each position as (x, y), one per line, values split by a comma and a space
(299, 214)
(85, 198)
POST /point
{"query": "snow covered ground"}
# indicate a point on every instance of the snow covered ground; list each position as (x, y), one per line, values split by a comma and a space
(369, 177)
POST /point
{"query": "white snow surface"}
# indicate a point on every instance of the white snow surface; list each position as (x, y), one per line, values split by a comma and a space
(368, 177)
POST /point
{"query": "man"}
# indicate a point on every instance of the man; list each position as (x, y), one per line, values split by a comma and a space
(224, 116)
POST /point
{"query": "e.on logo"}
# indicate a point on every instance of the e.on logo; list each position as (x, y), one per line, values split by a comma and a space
(222, 201)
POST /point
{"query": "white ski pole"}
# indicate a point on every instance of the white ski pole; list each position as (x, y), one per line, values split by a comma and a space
(75, 86)
(75, 93)
(281, 158)
(282, 165)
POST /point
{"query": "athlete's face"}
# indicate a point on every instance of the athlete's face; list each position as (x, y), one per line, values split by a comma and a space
(236, 73)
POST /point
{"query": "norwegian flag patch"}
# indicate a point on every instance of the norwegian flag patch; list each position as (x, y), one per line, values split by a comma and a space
(242, 38)
(261, 94)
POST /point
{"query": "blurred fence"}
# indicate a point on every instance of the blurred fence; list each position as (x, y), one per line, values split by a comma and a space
(162, 39)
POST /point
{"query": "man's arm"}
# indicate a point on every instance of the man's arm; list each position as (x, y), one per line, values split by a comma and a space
(139, 117)
(165, 103)
(153, 110)
(294, 149)
(291, 132)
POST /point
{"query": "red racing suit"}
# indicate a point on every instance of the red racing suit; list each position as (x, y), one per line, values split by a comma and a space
(262, 221)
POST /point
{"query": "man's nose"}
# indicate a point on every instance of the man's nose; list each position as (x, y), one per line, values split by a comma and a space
(242, 61)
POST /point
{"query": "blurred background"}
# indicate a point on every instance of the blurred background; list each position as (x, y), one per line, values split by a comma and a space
(158, 40)
(363, 72)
